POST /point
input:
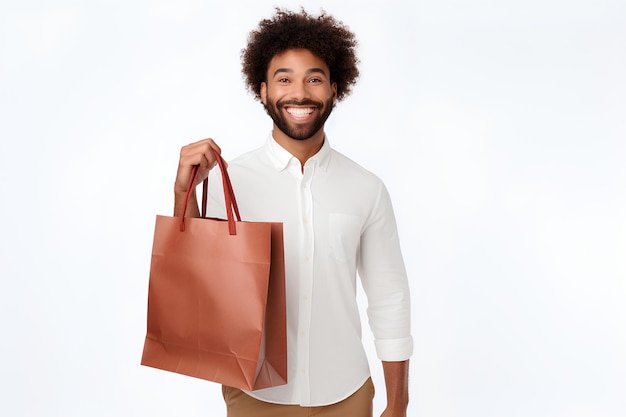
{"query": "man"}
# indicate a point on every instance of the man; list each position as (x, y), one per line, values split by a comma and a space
(337, 220)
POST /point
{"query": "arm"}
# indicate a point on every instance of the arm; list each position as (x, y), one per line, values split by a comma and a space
(197, 153)
(385, 282)
(192, 207)
(397, 386)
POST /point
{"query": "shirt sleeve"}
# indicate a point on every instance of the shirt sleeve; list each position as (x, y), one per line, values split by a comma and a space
(384, 279)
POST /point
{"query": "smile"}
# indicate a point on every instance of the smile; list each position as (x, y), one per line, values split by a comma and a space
(300, 111)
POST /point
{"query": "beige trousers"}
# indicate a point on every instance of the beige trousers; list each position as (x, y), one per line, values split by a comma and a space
(359, 404)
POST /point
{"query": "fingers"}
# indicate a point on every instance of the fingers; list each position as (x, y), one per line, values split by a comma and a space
(198, 153)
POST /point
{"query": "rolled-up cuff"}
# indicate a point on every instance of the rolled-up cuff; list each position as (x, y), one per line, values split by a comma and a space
(394, 350)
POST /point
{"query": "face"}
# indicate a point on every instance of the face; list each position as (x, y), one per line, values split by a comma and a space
(298, 95)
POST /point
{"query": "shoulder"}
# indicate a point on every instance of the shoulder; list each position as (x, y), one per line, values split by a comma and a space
(255, 160)
(345, 167)
(248, 157)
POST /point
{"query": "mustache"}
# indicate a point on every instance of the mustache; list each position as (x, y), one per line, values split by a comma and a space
(305, 102)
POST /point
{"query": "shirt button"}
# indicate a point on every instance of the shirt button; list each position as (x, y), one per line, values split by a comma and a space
(307, 259)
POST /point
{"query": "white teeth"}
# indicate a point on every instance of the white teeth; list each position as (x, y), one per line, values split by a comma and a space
(299, 111)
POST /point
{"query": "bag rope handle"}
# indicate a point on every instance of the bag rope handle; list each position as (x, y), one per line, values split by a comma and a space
(232, 209)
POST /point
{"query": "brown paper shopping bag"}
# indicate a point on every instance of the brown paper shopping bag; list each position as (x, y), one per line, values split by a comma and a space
(216, 298)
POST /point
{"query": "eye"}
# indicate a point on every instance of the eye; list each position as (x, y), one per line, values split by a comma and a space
(315, 80)
(283, 80)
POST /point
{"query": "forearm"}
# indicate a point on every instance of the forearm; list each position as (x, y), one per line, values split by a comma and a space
(192, 206)
(397, 386)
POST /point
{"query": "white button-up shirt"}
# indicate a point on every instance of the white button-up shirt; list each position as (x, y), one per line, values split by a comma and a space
(337, 221)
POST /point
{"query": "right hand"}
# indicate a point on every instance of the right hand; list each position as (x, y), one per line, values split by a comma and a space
(197, 153)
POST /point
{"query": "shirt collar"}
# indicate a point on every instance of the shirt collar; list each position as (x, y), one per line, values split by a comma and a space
(281, 158)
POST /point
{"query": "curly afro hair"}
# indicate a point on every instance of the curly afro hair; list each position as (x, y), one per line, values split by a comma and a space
(323, 35)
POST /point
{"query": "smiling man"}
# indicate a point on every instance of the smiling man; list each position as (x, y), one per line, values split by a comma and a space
(338, 223)
(299, 86)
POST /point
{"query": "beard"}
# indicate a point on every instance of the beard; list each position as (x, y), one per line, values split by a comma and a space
(299, 131)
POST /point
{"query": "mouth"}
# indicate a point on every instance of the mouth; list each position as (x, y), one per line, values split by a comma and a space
(300, 113)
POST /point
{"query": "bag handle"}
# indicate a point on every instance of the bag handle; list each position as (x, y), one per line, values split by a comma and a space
(229, 196)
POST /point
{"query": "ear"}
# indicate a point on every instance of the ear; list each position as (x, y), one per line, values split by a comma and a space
(263, 93)
(334, 88)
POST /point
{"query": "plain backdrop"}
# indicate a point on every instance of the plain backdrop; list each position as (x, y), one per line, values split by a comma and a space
(498, 126)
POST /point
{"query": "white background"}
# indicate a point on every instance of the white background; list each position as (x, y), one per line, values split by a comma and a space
(498, 126)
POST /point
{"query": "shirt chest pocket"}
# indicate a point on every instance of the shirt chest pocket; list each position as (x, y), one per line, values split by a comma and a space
(344, 233)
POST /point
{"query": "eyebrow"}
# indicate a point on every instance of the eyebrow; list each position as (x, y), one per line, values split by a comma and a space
(308, 72)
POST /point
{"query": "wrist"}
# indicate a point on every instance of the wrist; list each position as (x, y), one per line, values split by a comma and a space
(397, 405)
(182, 191)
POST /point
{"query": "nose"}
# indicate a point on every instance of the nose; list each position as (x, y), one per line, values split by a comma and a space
(300, 91)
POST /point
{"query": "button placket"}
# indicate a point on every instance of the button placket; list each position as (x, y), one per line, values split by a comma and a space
(306, 280)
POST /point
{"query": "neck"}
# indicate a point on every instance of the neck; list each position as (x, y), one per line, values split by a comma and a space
(301, 149)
